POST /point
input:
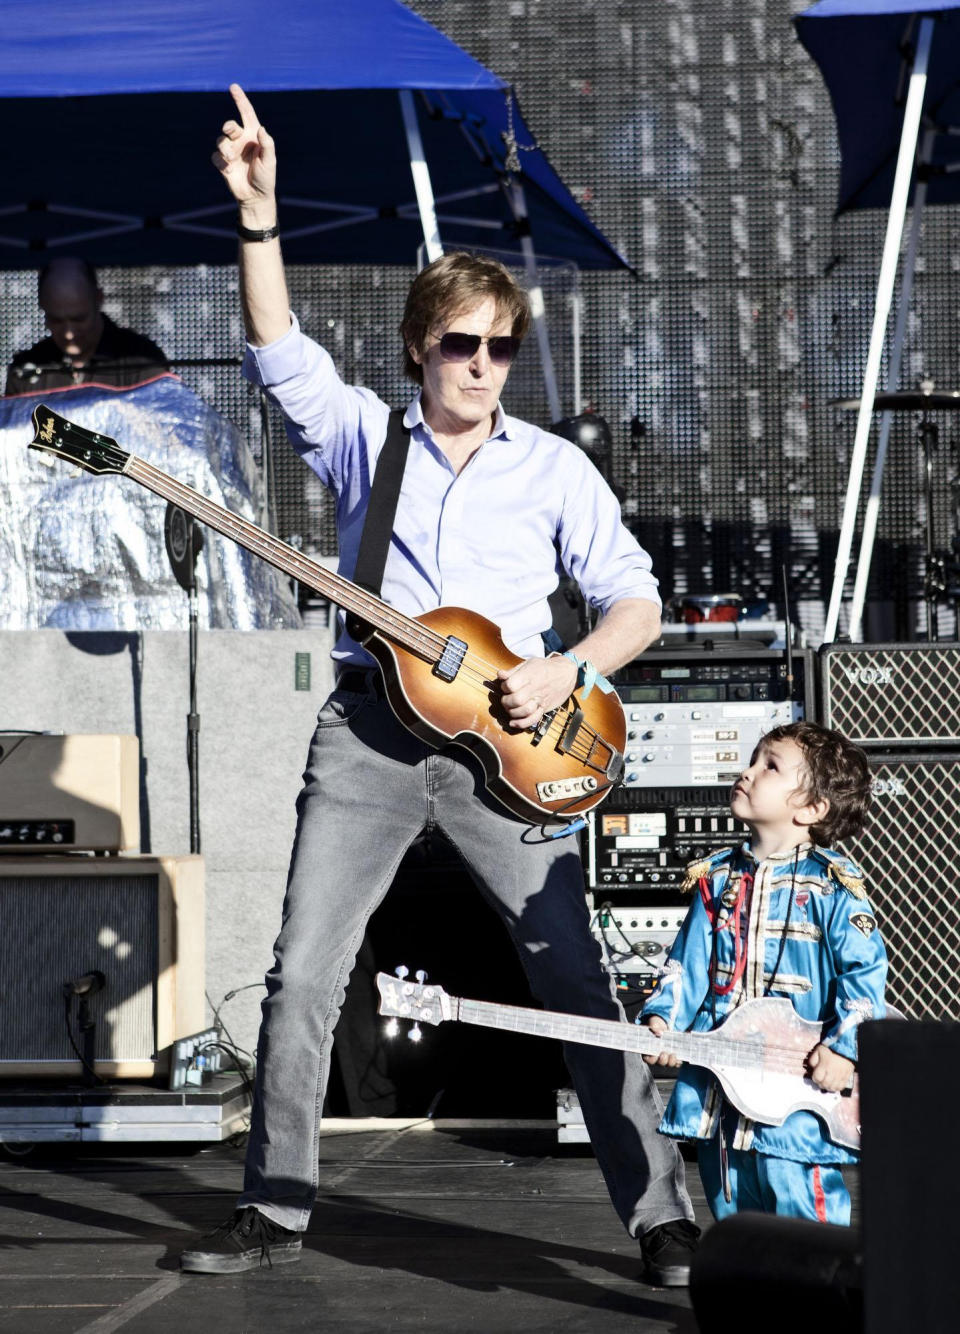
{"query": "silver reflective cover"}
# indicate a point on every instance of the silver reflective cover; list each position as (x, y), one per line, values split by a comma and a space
(88, 553)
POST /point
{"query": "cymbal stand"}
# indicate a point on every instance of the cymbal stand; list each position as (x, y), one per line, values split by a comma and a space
(933, 583)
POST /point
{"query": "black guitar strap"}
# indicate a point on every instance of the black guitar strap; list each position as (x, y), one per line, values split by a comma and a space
(381, 512)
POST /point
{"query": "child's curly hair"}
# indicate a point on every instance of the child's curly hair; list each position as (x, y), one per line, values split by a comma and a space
(836, 769)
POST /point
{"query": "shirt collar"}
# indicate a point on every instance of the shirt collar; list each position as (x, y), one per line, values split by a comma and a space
(502, 424)
(779, 858)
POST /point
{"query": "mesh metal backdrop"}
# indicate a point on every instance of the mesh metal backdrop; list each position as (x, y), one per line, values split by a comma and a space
(908, 852)
(700, 138)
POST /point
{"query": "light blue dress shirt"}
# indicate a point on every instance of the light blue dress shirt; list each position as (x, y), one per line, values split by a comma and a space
(494, 538)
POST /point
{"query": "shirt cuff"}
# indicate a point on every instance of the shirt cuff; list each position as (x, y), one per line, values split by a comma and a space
(275, 361)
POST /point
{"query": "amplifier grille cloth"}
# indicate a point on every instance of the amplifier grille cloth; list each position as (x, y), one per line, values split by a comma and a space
(909, 854)
(59, 928)
(894, 696)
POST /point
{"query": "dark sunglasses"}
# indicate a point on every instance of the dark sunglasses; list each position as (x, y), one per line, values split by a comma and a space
(501, 349)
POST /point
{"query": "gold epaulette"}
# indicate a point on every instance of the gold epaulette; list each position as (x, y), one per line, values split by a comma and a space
(697, 870)
(851, 880)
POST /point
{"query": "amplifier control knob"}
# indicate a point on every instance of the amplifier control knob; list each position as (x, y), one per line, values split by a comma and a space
(632, 777)
(648, 736)
(659, 717)
(650, 755)
(621, 877)
(655, 877)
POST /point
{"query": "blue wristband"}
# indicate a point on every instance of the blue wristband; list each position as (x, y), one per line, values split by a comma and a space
(587, 675)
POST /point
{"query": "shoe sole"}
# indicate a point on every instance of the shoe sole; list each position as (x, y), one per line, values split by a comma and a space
(673, 1276)
(201, 1262)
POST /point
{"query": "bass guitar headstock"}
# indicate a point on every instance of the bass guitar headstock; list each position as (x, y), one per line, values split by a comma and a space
(418, 1001)
(65, 439)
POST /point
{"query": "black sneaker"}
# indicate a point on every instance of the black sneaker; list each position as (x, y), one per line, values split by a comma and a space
(667, 1251)
(245, 1241)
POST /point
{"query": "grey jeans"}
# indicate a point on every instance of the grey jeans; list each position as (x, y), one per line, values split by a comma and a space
(369, 789)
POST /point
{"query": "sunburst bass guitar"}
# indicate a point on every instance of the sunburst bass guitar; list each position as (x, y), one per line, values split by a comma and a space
(439, 668)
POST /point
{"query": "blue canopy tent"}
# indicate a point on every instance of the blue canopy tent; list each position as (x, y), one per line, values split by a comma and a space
(388, 133)
(893, 72)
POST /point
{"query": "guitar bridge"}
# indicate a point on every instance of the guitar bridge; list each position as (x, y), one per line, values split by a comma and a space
(451, 659)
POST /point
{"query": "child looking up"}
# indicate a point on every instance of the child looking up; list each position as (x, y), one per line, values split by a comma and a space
(782, 915)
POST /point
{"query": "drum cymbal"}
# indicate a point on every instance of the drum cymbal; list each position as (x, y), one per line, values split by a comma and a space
(906, 400)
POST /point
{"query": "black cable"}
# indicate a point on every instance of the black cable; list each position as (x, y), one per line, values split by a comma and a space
(608, 909)
(79, 1054)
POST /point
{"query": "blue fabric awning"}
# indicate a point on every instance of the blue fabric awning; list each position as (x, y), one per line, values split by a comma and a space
(109, 119)
(864, 50)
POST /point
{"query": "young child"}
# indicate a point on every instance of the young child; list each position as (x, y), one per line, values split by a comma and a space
(780, 916)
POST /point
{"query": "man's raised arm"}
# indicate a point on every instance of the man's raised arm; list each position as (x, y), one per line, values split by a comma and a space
(246, 159)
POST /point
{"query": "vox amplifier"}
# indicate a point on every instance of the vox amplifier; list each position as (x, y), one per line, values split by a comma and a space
(892, 694)
(136, 925)
(66, 793)
(908, 853)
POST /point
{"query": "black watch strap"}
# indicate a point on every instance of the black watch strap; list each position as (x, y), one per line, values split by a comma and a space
(249, 234)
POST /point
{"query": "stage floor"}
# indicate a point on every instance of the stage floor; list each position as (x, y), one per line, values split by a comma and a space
(441, 1226)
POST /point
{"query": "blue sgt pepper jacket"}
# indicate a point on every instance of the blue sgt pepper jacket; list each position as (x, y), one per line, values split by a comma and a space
(807, 932)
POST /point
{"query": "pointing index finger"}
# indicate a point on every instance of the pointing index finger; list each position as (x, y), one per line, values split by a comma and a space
(248, 116)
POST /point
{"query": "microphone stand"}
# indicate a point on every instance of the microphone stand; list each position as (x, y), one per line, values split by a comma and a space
(184, 541)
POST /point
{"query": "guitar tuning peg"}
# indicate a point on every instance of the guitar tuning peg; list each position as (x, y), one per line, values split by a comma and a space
(415, 1033)
(391, 1028)
(421, 976)
(402, 970)
(46, 459)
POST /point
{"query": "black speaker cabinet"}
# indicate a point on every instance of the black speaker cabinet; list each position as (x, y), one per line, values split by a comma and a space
(137, 920)
(909, 853)
(909, 1178)
(755, 1273)
(887, 695)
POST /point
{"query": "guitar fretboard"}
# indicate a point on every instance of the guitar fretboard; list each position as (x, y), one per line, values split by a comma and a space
(707, 1049)
(403, 630)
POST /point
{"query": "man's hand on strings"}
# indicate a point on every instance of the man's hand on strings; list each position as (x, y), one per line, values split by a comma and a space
(534, 687)
(246, 159)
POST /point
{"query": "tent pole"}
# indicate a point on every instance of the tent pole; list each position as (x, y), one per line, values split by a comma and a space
(576, 303)
(421, 177)
(885, 284)
(872, 514)
(518, 203)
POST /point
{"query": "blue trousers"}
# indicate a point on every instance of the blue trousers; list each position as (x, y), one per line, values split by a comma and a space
(369, 789)
(772, 1186)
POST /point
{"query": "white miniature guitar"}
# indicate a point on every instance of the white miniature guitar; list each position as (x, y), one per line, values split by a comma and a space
(757, 1054)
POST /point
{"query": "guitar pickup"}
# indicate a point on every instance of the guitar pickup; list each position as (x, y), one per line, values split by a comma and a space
(451, 659)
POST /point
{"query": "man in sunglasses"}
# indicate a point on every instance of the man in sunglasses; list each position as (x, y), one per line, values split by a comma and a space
(489, 507)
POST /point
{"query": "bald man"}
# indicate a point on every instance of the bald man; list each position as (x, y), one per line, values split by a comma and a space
(84, 345)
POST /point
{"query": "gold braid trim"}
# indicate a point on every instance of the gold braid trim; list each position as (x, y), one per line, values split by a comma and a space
(695, 873)
(852, 883)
